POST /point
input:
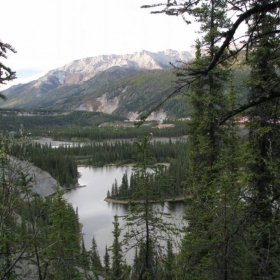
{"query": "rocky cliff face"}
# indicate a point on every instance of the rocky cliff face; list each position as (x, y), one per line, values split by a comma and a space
(43, 183)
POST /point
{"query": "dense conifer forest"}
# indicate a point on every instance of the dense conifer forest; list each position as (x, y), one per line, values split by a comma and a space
(116, 131)
(229, 180)
(40, 122)
(62, 162)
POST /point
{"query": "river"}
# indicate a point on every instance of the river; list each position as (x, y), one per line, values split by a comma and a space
(95, 214)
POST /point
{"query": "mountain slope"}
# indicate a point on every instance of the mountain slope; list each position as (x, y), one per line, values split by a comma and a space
(91, 84)
(135, 95)
(82, 70)
(128, 97)
(28, 97)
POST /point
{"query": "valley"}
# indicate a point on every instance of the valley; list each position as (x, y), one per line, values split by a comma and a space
(105, 113)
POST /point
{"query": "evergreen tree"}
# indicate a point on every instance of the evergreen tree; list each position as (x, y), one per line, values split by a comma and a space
(136, 268)
(210, 187)
(146, 225)
(232, 218)
(33, 231)
(169, 265)
(263, 156)
(116, 248)
(85, 260)
(94, 257)
(12, 245)
(6, 74)
(106, 261)
(25, 183)
(64, 237)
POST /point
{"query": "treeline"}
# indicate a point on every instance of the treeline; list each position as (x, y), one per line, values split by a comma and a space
(41, 121)
(117, 132)
(62, 162)
(129, 189)
(176, 154)
(99, 154)
(61, 166)
(41, 238)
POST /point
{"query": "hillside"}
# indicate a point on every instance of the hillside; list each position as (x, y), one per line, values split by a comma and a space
(125, 86)
(128, 97)
(12, 119)
(108, 84)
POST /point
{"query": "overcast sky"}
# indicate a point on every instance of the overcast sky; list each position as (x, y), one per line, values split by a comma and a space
(51, 33)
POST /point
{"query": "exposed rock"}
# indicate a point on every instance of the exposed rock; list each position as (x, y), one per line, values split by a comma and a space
(84, 69)
(114, 84)
(43, 183)
(158, 115)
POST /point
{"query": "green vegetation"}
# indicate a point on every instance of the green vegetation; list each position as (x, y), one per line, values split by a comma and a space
(62, 162)
(146, 225)
(38, 122)
(129, 190)
(33, 230)
(6, 73)
(136, 93)
(118, 132)
(230, 183)
(61, 166)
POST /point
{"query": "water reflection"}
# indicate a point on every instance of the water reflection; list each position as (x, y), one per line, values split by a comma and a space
(118, 207)
(95, 214)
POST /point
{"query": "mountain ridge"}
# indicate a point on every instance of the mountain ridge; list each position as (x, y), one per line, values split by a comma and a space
(84, 77)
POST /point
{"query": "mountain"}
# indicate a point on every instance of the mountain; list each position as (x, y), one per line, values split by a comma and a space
(106, 83)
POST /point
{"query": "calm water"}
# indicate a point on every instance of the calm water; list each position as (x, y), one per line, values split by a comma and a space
(95, 214)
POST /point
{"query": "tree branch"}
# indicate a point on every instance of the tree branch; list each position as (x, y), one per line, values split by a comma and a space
(248, 105)
(230, 33)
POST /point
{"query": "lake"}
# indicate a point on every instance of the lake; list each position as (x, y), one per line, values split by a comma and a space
(95, 214)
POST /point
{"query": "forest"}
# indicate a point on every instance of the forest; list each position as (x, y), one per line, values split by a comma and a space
(62, 162)
(229, 180)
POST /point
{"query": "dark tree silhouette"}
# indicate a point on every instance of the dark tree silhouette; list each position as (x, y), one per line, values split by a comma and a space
(6, 74)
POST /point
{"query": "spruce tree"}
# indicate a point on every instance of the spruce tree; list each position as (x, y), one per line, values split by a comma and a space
(94, 257)
(85, 260)
(64, 237)
(232, 204)
(210, 187)
(6, 74)
(147, 226)
(106, 261)
(169, 265)
(116, 248)
(263, 152)
(12, 245)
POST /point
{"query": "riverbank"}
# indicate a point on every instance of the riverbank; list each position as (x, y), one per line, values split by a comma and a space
(117, 201)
